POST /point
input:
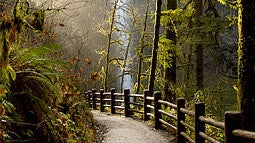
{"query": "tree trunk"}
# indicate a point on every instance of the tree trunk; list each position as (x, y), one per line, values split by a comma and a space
(142, 41)
(246, 62)
(109, 44)
(170, 71)
(155, 47)
(198, 7)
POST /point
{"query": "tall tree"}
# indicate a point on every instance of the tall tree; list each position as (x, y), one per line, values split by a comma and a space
(142, 46)
(155, 46)
(109, 43)
(170, 70)
(198, 7)
(246, 61)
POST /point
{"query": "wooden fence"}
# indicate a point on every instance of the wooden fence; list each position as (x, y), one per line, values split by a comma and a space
(190, 125)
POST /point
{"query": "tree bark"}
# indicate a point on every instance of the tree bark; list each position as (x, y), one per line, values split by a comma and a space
(112, 19)
(170, 71)
(155, 46)
(198, 7)
(246, 62)
(142, 41)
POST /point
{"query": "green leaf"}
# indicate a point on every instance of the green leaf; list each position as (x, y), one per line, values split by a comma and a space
(3, 91)
(8, 106)
(230, 3)
(37, 52)
(4, 76)
(12, 72)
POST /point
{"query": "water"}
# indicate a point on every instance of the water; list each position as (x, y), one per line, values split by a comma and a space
(123, 19)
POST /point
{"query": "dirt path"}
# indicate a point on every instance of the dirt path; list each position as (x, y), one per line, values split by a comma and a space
(127, 130)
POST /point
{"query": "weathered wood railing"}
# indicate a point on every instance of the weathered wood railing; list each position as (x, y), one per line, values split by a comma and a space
(151, 105)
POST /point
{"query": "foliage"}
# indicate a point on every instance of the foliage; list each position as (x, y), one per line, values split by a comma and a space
(231, 4)
(211, 26)
(215, 132)
(31, 96)
(165, 45)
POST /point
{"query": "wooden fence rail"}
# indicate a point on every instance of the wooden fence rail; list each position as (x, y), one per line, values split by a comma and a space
(189, 125)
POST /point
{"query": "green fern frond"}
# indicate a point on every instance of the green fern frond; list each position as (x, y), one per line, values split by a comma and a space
(45, 64)
(46, 87)
(37, 52)
(48, 61)
(38, 72)
(44, 83)
(52, 75)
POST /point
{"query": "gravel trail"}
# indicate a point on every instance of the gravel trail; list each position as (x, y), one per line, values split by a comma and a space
(119, 129)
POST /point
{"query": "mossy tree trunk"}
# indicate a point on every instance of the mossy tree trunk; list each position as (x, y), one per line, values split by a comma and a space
(142, 46)
(170, 71)
(198, 7)
(155, 46)
(109, 44)
(246, 62)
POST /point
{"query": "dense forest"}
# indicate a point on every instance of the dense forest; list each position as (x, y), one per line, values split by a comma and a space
(51, 52)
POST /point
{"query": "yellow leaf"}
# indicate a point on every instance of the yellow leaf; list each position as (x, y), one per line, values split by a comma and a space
(3, 91)
(2, 110)
(53, 35)
(87, 61)
(5, 17)
(95, 76)
(11, 71)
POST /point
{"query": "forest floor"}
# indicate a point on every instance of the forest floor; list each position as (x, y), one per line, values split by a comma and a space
(118, 129)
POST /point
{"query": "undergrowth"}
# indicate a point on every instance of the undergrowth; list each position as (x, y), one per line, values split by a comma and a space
(37, 102)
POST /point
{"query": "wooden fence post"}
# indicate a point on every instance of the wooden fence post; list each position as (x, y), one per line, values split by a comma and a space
(180, 117)
(126, 102)
(94, 106)
(101, 100)
(87, 95)
(145, 103)
(199, 126)
(233, 120)
(157, 107)
(113, 111)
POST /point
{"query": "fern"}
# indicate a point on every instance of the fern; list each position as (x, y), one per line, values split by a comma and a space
(43, 64)
(44, 86)
(29, 79)
(37, 52)
(37, 73)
